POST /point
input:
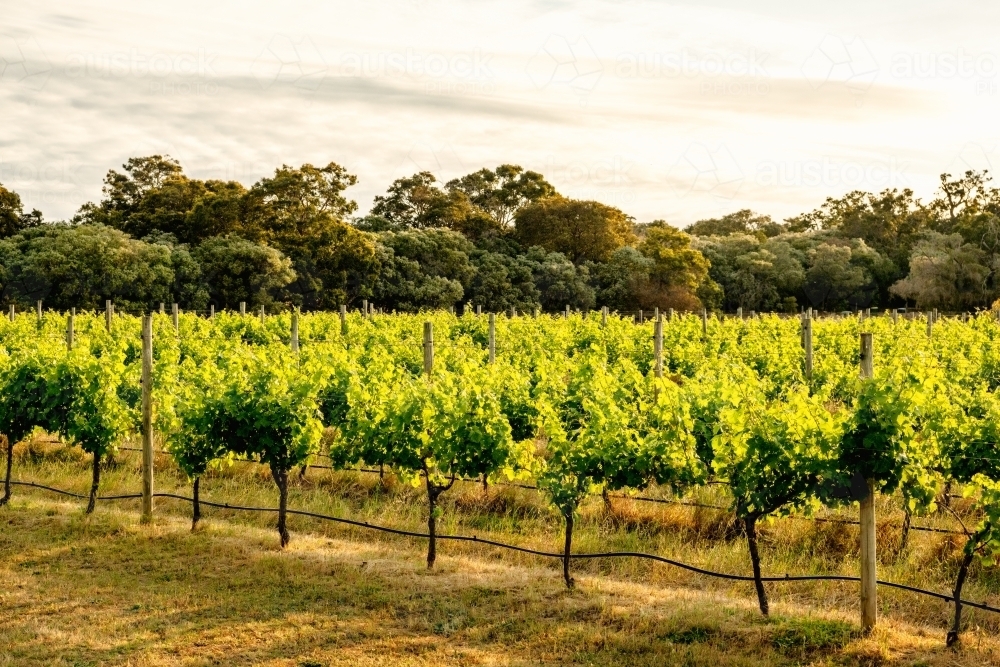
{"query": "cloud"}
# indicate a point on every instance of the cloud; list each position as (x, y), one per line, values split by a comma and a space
(654, 90)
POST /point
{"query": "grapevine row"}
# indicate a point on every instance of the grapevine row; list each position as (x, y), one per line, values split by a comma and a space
(776, 409)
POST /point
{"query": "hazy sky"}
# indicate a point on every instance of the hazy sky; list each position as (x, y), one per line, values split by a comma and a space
(675, 110)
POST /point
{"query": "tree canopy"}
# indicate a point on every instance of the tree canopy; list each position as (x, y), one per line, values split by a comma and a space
(500, 238)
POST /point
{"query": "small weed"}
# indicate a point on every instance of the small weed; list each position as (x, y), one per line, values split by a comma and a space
(696, 634)
(806, 635)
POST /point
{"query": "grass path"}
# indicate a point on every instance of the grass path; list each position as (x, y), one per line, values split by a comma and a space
(104, 590)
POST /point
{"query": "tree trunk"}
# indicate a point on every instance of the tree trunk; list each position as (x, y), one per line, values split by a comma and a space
(486, 485)
(956, 627)
(10, 464)
(281, 479)
(195, 506)
(904, 537)
(302, 471)
(567, 548)
(751, 525)
(96, 482)
(607, 499)
(432, 495)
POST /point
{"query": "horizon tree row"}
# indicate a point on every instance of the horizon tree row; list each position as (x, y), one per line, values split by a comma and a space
(500, 237)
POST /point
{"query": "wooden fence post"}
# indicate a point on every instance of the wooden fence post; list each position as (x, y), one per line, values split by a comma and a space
(39, 310)
(69, 332)
(807, 345)
(175, 316)
(343, 320)
(428, 348)
(566, 315)
(658, 346)
(493, 338)
(869, 576)
(739, 312)
(163, 308)
(930, 323)
(364, 307)
(147, 418)
(479, 310)
(211, 313)
(295, 330)
(243, 307)
(12, 312)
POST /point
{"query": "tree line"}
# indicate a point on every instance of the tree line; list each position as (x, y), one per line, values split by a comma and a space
(501, 238)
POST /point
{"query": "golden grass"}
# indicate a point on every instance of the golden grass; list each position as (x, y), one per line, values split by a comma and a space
(105, 590)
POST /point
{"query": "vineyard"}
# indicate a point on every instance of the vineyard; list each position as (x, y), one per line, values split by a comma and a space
(769, 416)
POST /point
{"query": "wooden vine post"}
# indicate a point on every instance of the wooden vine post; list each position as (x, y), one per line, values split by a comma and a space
(930, 323)
(869, 592)
(163, 308)
(493, 338)
(343, 320)
(604, 316)
(807, 345)
(429, 348)
(147, 418)
(211, 312)
(12, 313)
(175, 315)
(39, 310)
(295, 330)
(739, 312)
(69, 332)
(658, 346)
(704, 322)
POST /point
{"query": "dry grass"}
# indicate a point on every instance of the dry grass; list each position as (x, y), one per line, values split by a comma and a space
(106, 590)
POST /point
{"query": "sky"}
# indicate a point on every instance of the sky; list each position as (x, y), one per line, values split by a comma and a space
(668, 110)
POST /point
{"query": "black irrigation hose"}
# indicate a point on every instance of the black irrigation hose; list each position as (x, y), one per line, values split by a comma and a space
(645, 499)
(127, 496)
(534, 552)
